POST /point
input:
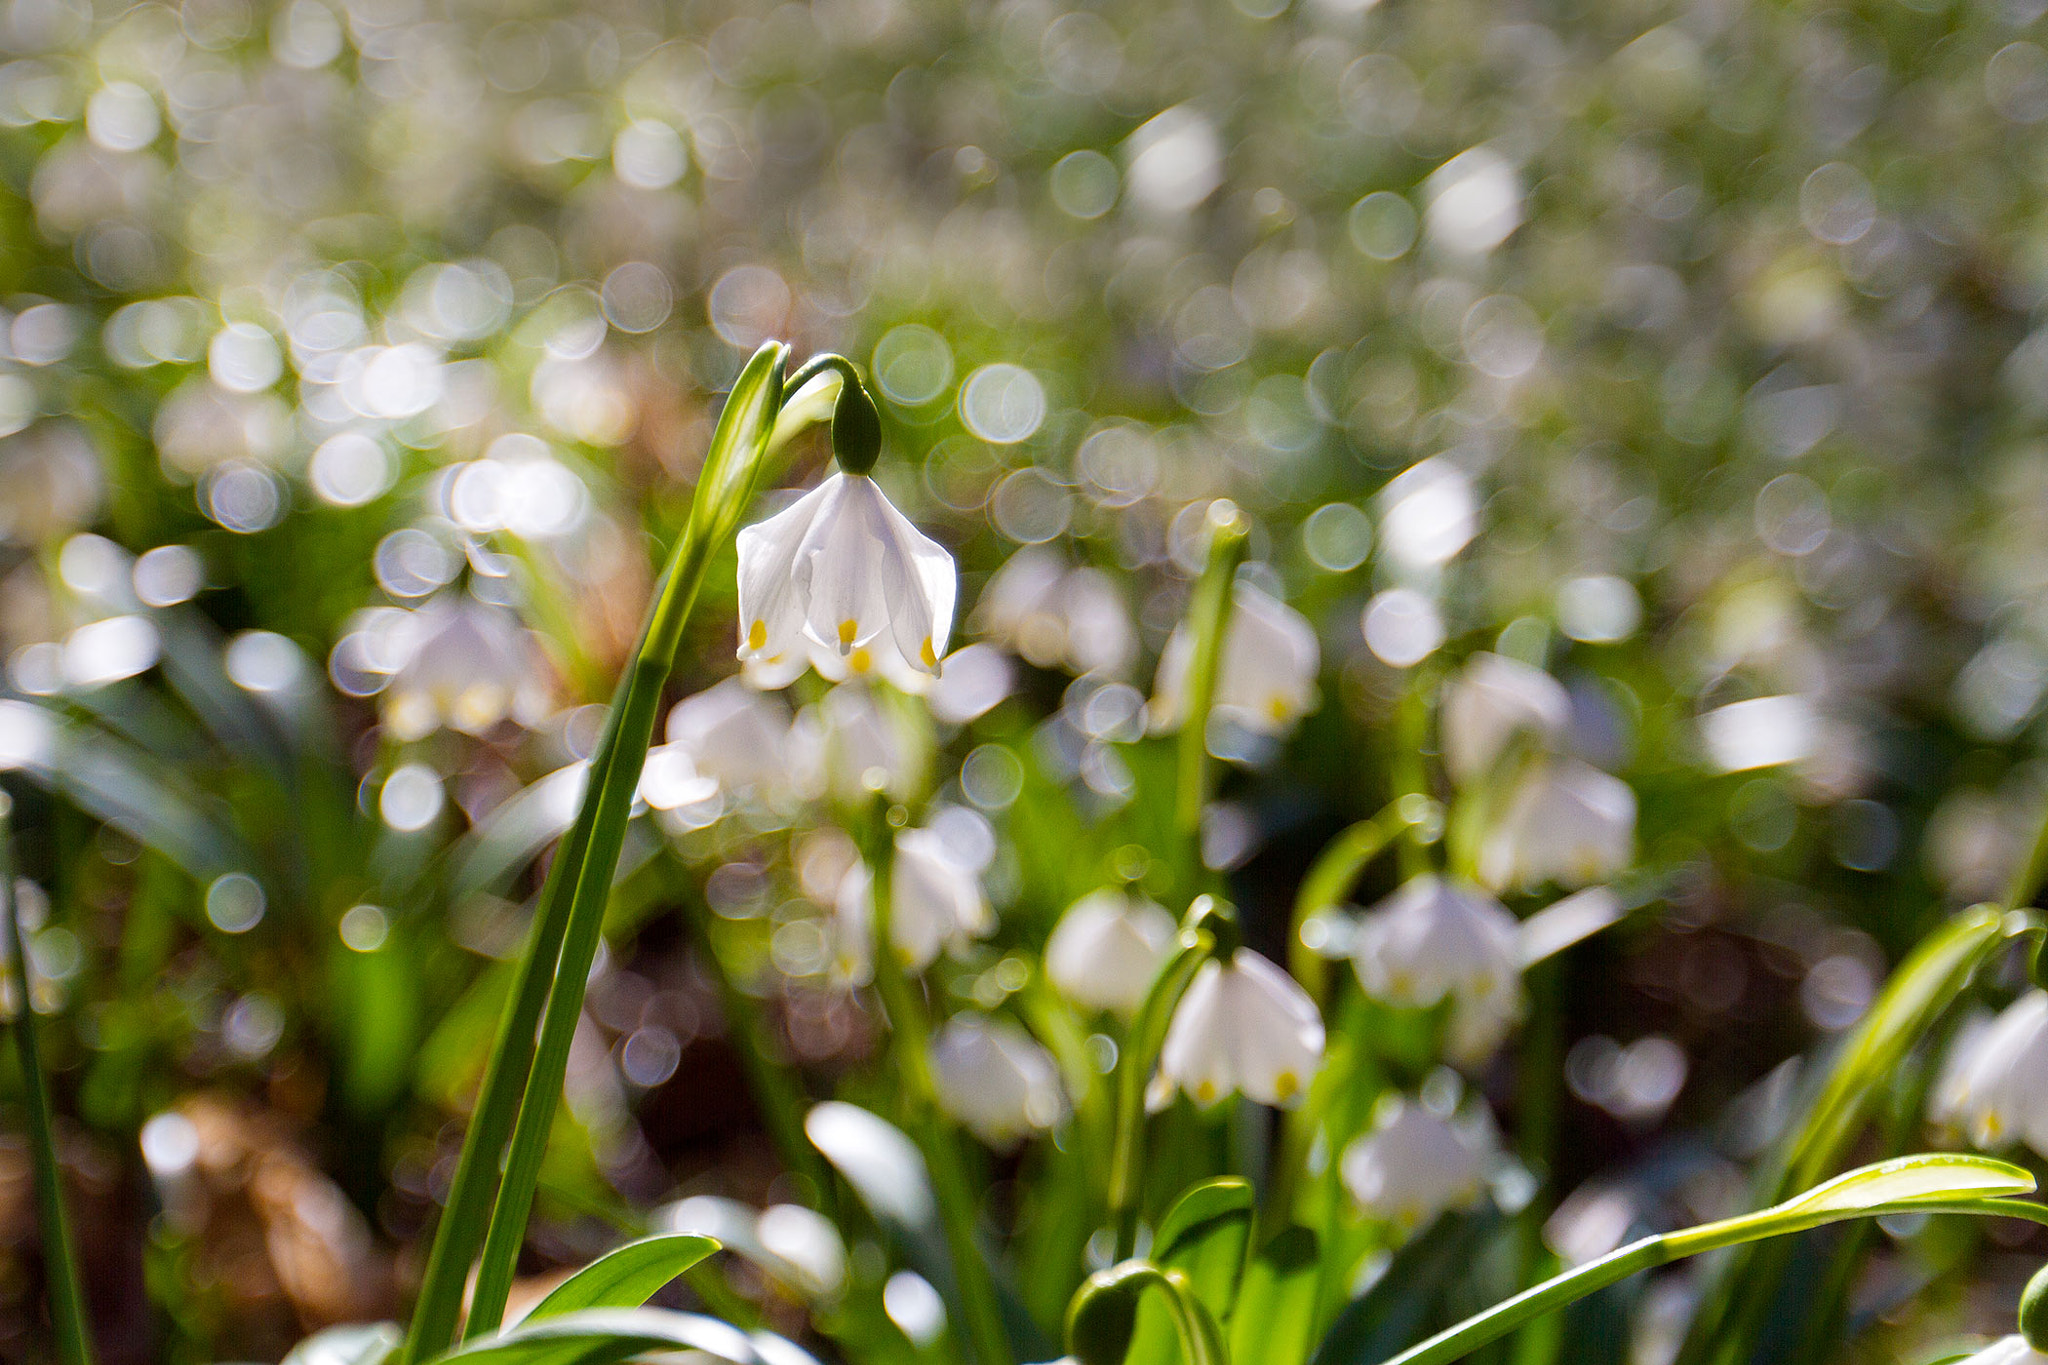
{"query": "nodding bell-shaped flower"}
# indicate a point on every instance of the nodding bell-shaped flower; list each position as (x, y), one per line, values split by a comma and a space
(1414, 1165)
(1435, 938)
(935, 902)
(1055, 616)
(1108, 948)
(993, 1078)
(1995, 1082)
(464, 664)
(735, 735)
(1567, 822)
(1266, 679)
(842, 582)
(1243, 1026)
(1493, 699)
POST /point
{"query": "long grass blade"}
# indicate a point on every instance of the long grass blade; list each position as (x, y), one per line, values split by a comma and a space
(60, 1254)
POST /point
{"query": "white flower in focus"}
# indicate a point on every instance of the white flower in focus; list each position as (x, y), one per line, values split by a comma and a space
(1053, 616)
(1995, 1082)
(934, 902)
(994, 1078)
(1107, 948)
(1414, 1165)
(2012, 1350)
(842, 582)
(464, 664)
(1567, 822)
(1435, 938)
(1266, 679)
(735, 735)
(1492, 699)
(1247, 1026)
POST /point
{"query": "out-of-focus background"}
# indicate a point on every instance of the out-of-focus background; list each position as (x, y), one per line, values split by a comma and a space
(354, 356)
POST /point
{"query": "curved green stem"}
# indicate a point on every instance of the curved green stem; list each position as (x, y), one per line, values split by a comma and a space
(1208, 624)
(60, 1254)
(1103, 1314)
(1331, 877)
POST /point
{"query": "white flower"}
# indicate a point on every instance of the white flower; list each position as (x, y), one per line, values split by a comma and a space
(994, 1078)
(1995, 1083)
(1054, 616)
(2012, 1350)
(934, 902)
(849, 740)
(1567, 822)
(735, 735)
(1435, 938)
(1247, 1026)
(460, 663)
(1414, 1165)
(842, 582)
(1266, 679)
(1107, 949)
(1491, 700)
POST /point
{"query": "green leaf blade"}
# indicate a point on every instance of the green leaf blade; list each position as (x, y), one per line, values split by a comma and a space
(627, 1277)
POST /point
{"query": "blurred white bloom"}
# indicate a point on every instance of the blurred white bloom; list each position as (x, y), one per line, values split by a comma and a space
(1475, 201)
(669, 779)
(464, 664)
(1995, 1081)
(1266, 679)
(934, 902)
(1175, 161)
(1760, 732)
(1414, 1165)
(1247, 1026)
(1107, 949)
(808, 1243)
(851, 741)
(1492, 699)
(994, 1078)
(1054, 616)
(1567, 822)
(842, 582)
(1428, 513)
(735, 735)
(1435, 938)
(2012, 1350)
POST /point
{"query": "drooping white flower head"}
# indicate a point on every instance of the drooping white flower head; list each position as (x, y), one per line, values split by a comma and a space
(461, 663)
(1434, 938)
(1995, 1082)
(994, 1078)
(1266, 678)
(1414, 1165)
(850, 739)
(735, 735)
(1108, 948)
(1056, 616)
(935, 902)
(1492, 699)
(2012, 1350)
(1567, 822)
(842, 582)
(1245, 1026)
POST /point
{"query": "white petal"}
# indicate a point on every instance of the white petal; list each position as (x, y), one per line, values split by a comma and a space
(1277, 1038)
(1107, 949)
(841, 569)
(770, 604)
(1196, 1055)
(1270, 660)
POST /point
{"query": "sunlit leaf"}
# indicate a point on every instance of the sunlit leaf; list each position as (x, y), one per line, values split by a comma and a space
(627, 1277)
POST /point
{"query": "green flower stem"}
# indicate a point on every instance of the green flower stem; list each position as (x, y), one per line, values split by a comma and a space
(1208, 624)
(60, 1254)
(1331, 878)
(1476, 1331)
(910, 1044)
(575, 890)
(1198, 944)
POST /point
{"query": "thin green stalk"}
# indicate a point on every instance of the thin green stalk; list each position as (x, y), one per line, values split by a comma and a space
(60, 1254)
(1331, 878)
(910, 1044)
(1557, 1292)
(1208, 624)
(728, 476)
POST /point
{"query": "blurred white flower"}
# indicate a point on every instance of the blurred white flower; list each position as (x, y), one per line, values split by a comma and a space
(850, 742)
(464, 664)
(1414, 1165)
(1490, 701)
(994, 1078)
(842, 582)
(1994, 1083)
(1246, 1026)
(735, 735)
(1435, 938)
(1055, 616)
(935, 902)
(1567, 822)
(1266, 679)
(2012, 1350)
(1107, 949)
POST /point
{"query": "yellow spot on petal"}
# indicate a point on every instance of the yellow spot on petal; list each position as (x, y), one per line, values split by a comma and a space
(757, 635)
(928, 654)
(860, 661)
(1285, 1085)
(847, 630)
(1205, 1091)
(1277, 706)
